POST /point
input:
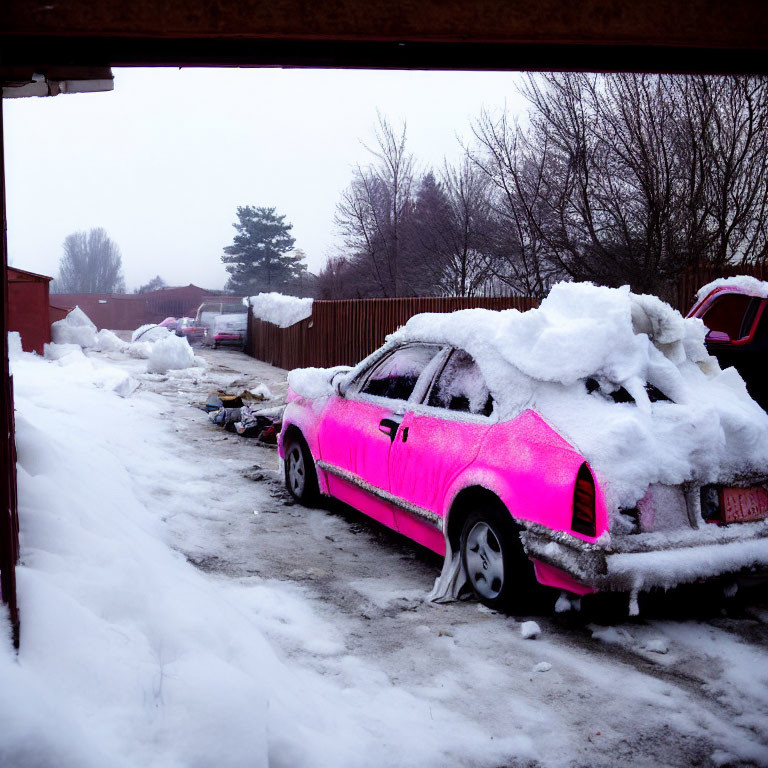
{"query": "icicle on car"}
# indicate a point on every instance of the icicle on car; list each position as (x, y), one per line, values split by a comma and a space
(590, 444)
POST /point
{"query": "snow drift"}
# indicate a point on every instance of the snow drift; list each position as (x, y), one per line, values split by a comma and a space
(130, 656)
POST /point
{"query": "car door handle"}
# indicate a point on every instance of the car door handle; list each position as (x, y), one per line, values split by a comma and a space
(389, 427)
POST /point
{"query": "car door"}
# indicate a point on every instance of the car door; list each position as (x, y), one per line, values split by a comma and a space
(358, 429)
(436, 441)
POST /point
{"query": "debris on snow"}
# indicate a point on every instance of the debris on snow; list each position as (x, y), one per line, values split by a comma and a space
(283, 311)
(542, 666)
(530, 630)
(262, 392)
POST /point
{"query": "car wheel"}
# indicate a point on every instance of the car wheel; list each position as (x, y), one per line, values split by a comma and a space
(300, 474)
(497, 568)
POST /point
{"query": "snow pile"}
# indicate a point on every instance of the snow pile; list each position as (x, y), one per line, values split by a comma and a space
(170, 353)
(54, 351)
(709, 430)
(749, 285)
(131, 656)
(281, 310)
(75, 328)
(14, 345)
(262, 392)
(107, 341)
(529, 630)
(150, 333)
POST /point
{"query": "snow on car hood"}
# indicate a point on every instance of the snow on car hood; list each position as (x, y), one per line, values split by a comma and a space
(709, 430)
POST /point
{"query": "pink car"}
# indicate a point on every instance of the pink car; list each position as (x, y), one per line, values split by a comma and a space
(418, 436)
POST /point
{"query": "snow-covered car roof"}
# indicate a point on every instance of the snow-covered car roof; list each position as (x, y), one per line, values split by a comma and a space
(709, 430)
(584, 342)
(750, 286)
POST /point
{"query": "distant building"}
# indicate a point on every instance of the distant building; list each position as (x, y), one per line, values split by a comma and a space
(126, 311)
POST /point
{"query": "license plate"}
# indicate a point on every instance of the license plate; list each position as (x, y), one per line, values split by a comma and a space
(741, 505)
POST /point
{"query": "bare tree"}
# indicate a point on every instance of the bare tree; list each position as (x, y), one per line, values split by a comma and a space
(469, 235)
(522, 199)
(628, 178)
(374, 209)
(91, 264)
(725, 121)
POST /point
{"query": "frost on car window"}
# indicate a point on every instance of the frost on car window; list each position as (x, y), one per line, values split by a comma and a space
(461, 387)
(396, 376)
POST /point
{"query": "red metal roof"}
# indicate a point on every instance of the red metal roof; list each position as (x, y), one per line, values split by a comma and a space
(26, 272)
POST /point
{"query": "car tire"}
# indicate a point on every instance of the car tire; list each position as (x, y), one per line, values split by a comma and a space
(300, 473)
(497, 568)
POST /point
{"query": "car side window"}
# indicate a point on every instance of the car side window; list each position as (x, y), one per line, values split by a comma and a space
(396, 375)
(461, 387)
(728, 314)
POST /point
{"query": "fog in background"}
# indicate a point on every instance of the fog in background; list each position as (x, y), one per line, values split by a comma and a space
(163, 161)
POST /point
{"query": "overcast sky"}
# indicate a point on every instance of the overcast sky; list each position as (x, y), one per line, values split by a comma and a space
(163, 161)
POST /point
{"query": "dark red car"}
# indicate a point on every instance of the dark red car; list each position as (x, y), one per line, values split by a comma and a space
(734, 311)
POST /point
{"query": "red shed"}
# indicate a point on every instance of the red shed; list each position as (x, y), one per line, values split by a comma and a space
(28, 308)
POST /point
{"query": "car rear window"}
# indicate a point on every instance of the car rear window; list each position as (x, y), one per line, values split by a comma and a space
(461, 387)
(396, 375)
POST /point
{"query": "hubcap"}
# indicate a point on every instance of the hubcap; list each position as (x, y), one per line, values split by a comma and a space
(296, 473)
(484, 561)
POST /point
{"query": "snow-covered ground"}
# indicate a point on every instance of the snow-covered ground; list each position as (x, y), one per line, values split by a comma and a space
(179, 610)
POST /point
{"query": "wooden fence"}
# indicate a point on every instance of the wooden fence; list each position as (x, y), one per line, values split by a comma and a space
(344, 332)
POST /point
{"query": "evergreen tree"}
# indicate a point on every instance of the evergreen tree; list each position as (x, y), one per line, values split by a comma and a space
(429, 236)
(260, 257)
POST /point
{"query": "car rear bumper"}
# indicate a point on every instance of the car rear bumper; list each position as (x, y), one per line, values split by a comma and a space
(639, 562)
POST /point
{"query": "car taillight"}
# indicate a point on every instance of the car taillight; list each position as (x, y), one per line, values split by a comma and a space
(584, 503)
